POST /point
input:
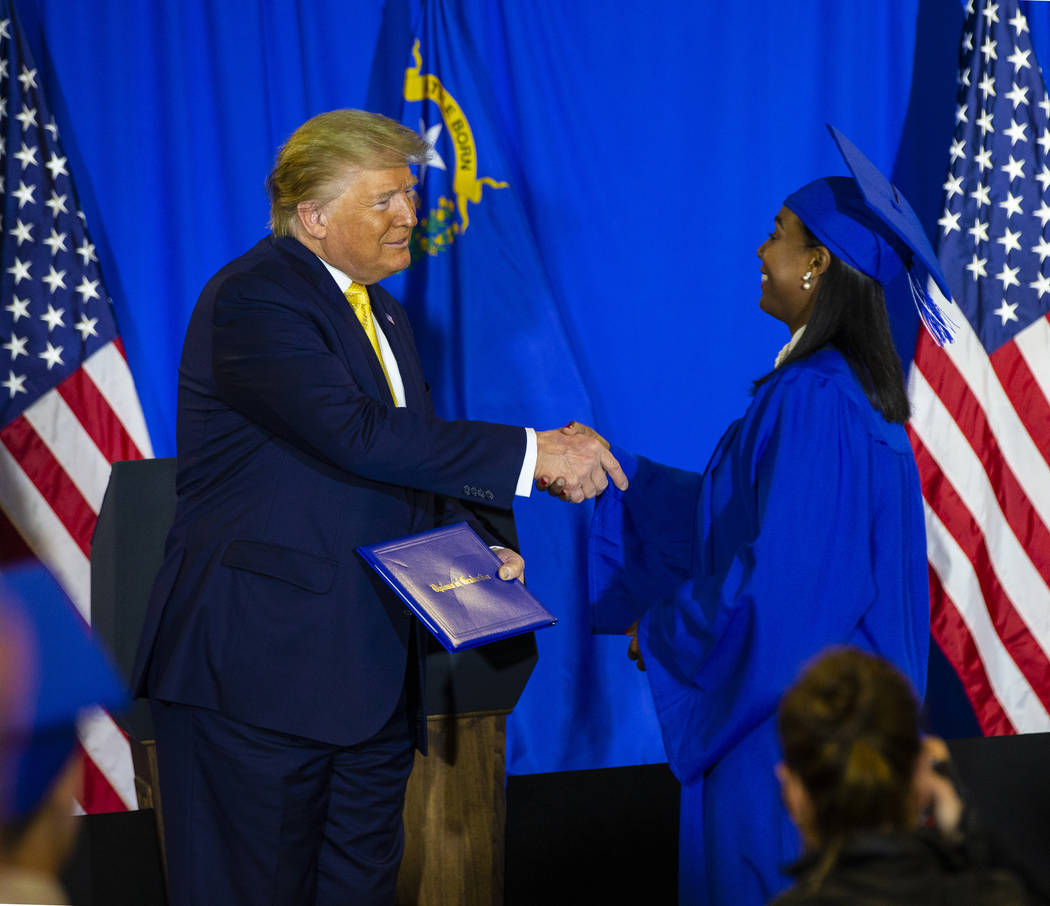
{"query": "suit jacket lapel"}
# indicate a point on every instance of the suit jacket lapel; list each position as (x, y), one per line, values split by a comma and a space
(356, 343)
(400, 339)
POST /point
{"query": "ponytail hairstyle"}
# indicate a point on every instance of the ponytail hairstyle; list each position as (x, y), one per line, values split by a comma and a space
(849, 729)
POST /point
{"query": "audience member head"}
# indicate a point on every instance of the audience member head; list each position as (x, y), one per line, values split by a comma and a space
(850, 740)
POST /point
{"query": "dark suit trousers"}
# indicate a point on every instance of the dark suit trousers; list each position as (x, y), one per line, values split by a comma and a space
(253, 816)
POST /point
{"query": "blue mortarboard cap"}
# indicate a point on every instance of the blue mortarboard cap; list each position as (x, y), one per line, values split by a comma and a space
(869, 224)
(72, 673)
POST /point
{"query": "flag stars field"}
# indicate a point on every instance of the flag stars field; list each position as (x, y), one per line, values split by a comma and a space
(1014, 168)
(86, 327)
(1018, 95)
(1006, 312)
(57, 166)
(14, 383)
(19, 309)
(19, 270)
(87, 251)
(55, 279)
(16, 346)
(976, 267)
(1016, 133)
(54, 318)
(1041, 285)
(57, 203)
(27, 117)
(1019, 59)
(52, 355)
(88, 289)
(1008, 276)
(1011, 204)
(56, 242)
(1010, 240)
(24, 194)
(22, 232)
(27, 155)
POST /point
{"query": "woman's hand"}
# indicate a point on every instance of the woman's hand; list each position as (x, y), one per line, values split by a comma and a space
(557, 487)
(934, 790)
(634, 652)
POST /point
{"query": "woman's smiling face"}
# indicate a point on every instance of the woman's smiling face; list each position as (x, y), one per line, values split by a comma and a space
(786, 258)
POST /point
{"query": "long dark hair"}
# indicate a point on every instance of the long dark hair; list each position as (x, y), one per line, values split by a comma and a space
(849, 313)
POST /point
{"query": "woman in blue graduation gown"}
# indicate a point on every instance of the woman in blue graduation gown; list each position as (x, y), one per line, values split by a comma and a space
(805, 529)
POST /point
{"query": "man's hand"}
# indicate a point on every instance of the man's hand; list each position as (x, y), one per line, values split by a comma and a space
(572, 463)
(513, 564)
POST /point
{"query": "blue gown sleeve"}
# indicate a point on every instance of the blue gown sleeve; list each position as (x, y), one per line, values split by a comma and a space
(641, 542)
(795, 576)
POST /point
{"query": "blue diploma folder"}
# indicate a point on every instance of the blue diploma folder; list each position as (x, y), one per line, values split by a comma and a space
(448, 578)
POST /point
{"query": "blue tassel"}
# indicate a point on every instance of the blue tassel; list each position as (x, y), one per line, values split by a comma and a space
(941, 327)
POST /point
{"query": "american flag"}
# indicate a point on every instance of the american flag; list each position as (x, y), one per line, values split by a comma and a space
(68, 407)
(981, 406)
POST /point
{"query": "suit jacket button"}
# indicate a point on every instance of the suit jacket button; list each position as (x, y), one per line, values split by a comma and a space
(405, 612)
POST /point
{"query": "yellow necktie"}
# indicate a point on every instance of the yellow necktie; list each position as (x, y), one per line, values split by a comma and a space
(357, 296)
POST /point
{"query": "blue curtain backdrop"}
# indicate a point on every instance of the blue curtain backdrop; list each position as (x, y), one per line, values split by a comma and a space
(646, 145)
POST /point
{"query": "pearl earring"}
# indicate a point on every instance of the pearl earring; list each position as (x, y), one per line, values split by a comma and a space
(805, 280)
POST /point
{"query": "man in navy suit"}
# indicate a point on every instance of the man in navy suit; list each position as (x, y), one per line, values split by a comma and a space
(285, 679)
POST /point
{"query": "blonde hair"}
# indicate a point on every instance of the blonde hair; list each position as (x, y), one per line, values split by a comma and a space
(312, 165)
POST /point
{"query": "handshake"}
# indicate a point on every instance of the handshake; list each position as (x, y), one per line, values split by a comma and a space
(574, 463)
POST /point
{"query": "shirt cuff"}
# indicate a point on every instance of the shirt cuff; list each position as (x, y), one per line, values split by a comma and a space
(528, 467)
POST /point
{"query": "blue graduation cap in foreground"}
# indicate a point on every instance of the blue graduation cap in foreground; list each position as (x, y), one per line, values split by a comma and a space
(67, 673)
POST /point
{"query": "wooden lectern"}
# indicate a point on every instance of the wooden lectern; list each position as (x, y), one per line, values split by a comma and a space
(455, 805)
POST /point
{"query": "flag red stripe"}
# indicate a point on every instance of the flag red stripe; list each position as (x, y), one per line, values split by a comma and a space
(41, 467)
(99, 420)
(955, 394)
(98, 794)
(942, 497)
(1032, 408)
(954, 639)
